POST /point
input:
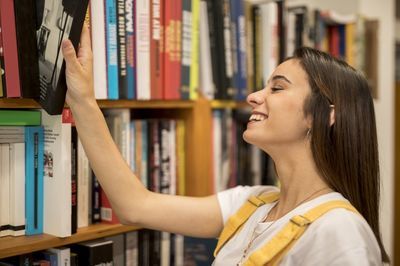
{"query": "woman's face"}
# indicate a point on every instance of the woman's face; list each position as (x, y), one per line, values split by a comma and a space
(277, 110)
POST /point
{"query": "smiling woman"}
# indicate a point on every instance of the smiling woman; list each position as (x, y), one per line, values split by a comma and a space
(315, 118)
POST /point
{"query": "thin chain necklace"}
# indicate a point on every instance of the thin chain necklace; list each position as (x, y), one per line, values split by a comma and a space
(254, 236)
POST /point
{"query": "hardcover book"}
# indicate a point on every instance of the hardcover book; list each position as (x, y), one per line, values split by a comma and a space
(58, 20)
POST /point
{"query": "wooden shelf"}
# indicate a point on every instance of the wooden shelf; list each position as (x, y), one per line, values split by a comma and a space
(18, 103)
(12, 246)
(152, 104)
(221, 104)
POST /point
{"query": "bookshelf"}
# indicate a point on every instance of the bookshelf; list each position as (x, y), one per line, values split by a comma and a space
(197, 116)
(11, 246)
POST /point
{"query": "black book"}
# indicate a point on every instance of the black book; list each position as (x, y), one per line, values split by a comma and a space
(58, 20)
(121, 46)
(97, 252)
(26, 45)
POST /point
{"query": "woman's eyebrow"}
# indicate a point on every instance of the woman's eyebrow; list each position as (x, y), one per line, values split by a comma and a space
(277, 77)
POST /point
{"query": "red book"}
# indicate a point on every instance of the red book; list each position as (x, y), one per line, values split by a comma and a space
(107, 213)
(334, 40)
(13, 86)
(156, 49)
(172, 58)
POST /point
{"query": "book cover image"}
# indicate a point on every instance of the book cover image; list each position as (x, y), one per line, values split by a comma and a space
(57, 20)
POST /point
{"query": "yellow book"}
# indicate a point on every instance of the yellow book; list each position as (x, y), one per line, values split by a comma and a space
(194, 67)
(350, 43)
(180, 154)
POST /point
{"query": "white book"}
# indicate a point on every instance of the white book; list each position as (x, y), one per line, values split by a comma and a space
(17, 188)
(99, 48)
(269, 25)
(179, 250)
(84, 187)
(207, 85)
(172, 157)
(63, 255)
(217, 138)
(57, 176)
(118, 121)
(5, 190)
(143, 49)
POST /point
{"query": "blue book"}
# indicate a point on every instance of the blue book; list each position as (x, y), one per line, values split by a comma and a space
(130, 48)
(144, 173)
(237, 13)
(34, 161)
(112, 50)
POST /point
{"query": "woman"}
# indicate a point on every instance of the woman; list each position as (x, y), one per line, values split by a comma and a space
(315, 118)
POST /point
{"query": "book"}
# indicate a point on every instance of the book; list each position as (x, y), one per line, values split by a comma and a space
(118, 249)
(121, 48)
(2, 76)
(17, 188)
(130, 22)
(57, 175)
(84, 187)
(5, 229)
(143, 49)
(59, 20)
(9, 36)
(131, 248)
(96, 252)
(26, 47)
(34, 161)
(63, 255)
(112, 49)
(97, 27)
(20, 118)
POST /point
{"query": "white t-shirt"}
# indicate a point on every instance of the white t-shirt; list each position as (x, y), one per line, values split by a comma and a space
(340, 237)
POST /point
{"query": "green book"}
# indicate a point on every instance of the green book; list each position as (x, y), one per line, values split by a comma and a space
(20, 118)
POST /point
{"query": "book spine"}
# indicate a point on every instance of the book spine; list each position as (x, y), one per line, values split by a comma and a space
(227, 47)
(177, 58)
(121, 48)
(234, 37)
(5, 225)
(34, 161)
(107, 214)
(249, 33)
(194, 66)
(74, 180)
(156, 49)
(97, 17)
(112, 49)
(130, 22)
(241, 50)
(2, 75)
(25, 24)
(95, 207)
(143, 49)
(13, 85)
(169, 49)
(186, 48)
(17, 188)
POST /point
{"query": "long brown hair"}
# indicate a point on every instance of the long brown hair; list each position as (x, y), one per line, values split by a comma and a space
(345, 153)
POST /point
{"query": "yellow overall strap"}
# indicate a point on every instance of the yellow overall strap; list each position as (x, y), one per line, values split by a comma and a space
(236, 221)
(273, 251)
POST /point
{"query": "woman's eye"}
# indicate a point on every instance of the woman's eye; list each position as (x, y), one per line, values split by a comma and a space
(273, 89)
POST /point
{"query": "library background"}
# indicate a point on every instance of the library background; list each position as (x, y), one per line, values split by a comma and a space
(171, 77)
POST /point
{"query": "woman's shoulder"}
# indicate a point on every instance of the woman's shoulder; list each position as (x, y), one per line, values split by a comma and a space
(339, 232)
(232, 199)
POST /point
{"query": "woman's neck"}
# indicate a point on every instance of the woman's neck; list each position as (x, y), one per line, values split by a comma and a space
(299, 182)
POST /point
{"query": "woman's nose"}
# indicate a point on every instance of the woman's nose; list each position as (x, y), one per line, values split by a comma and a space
(255, 98)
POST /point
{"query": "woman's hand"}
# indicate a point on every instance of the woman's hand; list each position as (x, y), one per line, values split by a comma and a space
(79, 70)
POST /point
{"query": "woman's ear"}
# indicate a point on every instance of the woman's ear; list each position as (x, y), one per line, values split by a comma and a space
(332, 115)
